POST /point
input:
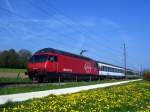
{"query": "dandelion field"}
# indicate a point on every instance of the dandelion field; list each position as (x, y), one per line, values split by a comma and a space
(131, 97)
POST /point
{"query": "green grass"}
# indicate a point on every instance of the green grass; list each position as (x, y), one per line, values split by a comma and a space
(15, 80)
(40, 87)
(10, 70)
(131, 97)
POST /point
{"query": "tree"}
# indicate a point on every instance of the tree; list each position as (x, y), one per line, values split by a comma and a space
(146, 75)
(24, 56)
(13, 59)
(4, 59)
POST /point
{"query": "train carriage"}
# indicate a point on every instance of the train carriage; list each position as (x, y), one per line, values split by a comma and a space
(110, 71)
(107, 70)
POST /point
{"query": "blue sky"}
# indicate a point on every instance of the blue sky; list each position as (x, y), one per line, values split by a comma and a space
(99, 26)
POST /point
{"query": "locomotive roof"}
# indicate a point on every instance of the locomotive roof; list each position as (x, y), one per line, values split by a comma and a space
(46, 50)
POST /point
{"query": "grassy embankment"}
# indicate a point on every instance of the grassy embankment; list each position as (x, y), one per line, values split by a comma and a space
(40, 87)
(11, 70)
(15, 80)
(133, 97)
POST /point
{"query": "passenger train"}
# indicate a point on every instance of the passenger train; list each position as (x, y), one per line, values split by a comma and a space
(50, 64)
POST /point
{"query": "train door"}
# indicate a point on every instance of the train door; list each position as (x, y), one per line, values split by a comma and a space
(54, 63)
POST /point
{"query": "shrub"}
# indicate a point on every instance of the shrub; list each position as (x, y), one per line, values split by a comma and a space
(146, 75)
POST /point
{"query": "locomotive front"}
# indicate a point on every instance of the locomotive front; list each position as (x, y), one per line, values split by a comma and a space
(39, 65)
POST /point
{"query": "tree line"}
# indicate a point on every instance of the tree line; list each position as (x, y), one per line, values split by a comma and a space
(12, 59)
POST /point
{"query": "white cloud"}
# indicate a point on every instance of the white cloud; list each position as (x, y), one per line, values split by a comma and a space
(110, 23)
(57, 28)
(10, 7)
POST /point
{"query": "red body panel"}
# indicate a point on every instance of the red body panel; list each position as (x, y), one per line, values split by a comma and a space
(65, 64)
(73, 65)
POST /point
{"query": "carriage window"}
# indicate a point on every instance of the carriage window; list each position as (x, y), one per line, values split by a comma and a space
(105, 68)
(120, 71)
(115, 70)
(111, 69)
(102, 68)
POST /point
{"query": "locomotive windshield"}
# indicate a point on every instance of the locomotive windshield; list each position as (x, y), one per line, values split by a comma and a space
(39, 58)
(43, 58)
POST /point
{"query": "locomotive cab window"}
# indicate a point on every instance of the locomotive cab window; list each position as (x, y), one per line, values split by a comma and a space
(53, 58)
(38, 58)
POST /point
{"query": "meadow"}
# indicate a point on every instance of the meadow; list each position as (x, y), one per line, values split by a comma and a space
(12, 70)
(131, 97)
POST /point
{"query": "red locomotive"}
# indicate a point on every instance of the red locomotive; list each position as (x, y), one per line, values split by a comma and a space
(51, 64)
